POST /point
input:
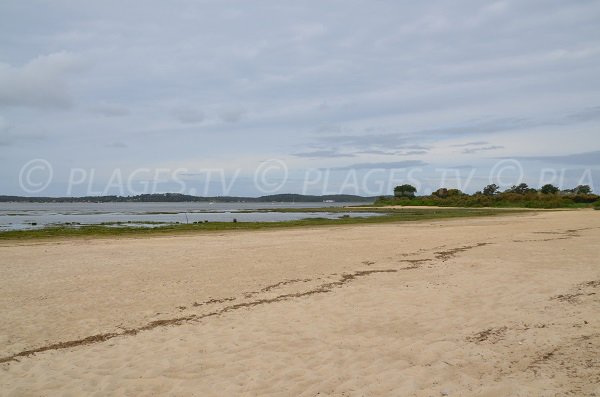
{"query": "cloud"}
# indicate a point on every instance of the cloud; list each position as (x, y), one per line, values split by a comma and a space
(384, 165)
(4, 125)
(5, 138)
(584, 115)
(585, 158)
(462, 167)
(378, 152)
(323, 154)
(477, 149)
(333, 153)
(329, 128)
(417, 139)
(9, 138)
(388, 141)
(188, 115)
(117, 145)
(476, 143)
(306, 32)
(232, 115)
(110, 110)
(389, 84)
(392, 153)
(42, 82)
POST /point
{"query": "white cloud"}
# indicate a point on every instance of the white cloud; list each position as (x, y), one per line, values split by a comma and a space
(41, 82)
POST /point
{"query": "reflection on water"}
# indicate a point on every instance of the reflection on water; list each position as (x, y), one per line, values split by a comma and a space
(15, 216)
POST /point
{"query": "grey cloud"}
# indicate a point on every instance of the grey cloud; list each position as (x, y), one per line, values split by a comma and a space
(305, 32)
(369, 142)
(110, 110)
(384, 165)
(476, 143)
(480, 127)
(393, 153)
(585, 158)
(41, 82)
(232, 115)
(588, 114)
(329, 128)
(481, 149)
(507, 124)
(9, 138)
(188, 115)
(403, 140)
(462, 167)
(5, 138)
(421, 75)
(378, 152)
(117, 145)
(4, 124)
(333, 153)
(417, 138)
(323, 154)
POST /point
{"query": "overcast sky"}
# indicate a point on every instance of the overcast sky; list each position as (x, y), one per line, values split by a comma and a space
(336, 85)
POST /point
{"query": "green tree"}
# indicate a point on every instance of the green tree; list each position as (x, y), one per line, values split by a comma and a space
(441, 192)
(454, 193)
(582, 189)
(522, 188)
(491, 190)
(549, 189)
(405, 191)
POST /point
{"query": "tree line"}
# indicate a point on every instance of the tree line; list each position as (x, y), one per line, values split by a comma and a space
(547, 196)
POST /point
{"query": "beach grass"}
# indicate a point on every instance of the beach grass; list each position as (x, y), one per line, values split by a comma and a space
(94, 231)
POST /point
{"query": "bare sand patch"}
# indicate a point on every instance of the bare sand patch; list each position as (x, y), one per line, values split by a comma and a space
(503, 306)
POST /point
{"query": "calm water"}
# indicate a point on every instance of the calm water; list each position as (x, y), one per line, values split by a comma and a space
(15, 216)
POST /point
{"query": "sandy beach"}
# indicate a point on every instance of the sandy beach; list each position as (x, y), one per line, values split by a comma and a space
(494, 306)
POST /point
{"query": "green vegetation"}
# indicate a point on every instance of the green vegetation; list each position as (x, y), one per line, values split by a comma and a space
(597, 205)
(392, 215)
(405, 191)
(519, 196)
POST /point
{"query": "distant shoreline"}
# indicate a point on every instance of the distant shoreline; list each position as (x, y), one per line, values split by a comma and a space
(179, 198)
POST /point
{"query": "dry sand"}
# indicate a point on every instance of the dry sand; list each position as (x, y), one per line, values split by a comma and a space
(502, 306)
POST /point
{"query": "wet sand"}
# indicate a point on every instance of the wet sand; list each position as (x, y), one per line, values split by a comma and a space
(498, 306)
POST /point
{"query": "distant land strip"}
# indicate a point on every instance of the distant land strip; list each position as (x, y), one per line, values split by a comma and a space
(178, 197)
